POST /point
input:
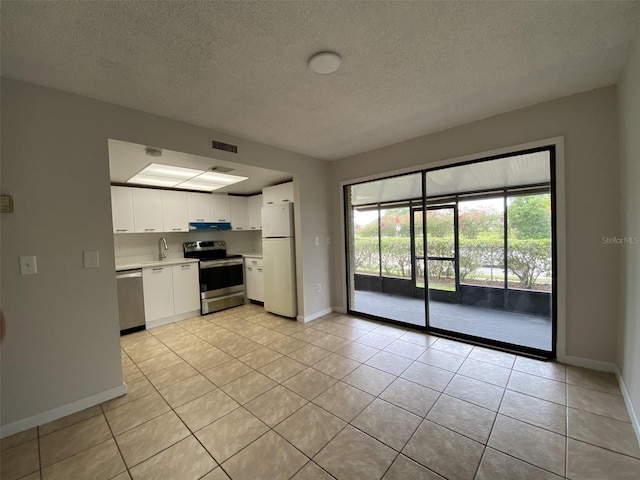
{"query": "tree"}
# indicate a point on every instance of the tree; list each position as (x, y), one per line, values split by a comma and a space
(528, 259)
(479, 221)
(529, 217)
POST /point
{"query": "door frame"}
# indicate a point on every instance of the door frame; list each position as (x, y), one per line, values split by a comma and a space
(555, 146)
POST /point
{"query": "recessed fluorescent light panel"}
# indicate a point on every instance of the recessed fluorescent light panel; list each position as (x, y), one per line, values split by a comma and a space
(158, 175)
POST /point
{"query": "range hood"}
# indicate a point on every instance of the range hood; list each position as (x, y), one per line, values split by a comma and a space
(209, 226)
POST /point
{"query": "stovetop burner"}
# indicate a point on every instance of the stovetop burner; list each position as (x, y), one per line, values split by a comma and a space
(207, 250)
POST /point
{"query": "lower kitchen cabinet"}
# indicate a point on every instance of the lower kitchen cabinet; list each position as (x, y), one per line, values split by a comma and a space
(186, 288)
(157, 284)
(254, 279)
(170, 293)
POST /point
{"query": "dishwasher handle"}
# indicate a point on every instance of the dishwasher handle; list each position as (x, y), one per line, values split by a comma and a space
(129, 274)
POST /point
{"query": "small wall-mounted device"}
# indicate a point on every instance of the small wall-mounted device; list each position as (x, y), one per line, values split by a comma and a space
(6, 204)
(28, 265)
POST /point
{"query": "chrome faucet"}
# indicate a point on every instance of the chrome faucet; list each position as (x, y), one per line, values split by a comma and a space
(162, 242)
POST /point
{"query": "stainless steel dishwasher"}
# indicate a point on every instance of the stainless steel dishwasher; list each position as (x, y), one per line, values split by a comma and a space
(130, 301)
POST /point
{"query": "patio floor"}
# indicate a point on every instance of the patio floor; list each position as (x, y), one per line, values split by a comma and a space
(515, 328)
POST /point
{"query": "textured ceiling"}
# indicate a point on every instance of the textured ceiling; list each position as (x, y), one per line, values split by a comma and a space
(409, 68)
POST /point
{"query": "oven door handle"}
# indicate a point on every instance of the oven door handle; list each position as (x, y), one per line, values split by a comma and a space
(219, 263)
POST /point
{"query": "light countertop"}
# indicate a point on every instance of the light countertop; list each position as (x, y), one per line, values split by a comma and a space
(156, 263)
(252, 255)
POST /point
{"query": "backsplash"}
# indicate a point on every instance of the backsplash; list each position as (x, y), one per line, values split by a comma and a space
(143, 247)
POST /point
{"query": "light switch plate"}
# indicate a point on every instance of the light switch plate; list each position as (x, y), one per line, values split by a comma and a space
(6, 204)
(28, 265)
(91, 258)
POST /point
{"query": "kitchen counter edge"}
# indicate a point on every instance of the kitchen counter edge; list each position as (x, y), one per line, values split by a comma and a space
(157, 263)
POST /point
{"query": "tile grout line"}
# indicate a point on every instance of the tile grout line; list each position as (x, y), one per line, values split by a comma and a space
(493, 424)
(566, 438)
(113, 437)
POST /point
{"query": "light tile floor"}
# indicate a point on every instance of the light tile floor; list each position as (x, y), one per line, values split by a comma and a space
(246, 395)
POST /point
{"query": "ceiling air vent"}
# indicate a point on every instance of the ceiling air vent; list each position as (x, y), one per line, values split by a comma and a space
(227, 147)
(221, 169)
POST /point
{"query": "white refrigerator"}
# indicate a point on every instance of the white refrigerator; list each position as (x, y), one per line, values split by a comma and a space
(279, 262)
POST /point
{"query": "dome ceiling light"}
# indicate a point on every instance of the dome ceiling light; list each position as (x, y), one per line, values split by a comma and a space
(325, 63)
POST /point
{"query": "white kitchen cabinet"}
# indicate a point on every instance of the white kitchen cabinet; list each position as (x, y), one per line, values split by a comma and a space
(254, 280)
(186, 288)
(122, 210)
(199, 207)
(254, 212)
(175, 212)
(157, 285)
(238, 210)
(220, 209)
(147, 210)
(278, 194)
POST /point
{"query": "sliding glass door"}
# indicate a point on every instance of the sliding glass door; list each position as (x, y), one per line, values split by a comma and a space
(472, 244)
(383, 274)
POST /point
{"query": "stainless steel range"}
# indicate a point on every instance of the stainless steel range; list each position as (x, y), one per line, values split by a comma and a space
(221, 275)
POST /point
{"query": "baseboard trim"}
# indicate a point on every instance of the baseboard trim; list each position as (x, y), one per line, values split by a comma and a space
(63, 411)
(635, 422)
(174, 318)
(308, 318)
(587, 363)
(339, 309)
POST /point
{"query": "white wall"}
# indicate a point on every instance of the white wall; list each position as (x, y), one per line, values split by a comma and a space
(62, 328)
(588, 123)
(629, 108)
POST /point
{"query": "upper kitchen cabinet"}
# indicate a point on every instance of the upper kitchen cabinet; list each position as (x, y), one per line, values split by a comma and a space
(147, 210)
(254, 212)
(205, 207)
(238, 207)
(199, 207)
(278, 194)
(175, 211)
(122, 209)
(220, 208)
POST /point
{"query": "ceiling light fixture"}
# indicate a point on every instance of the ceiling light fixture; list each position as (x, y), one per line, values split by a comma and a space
(325, 63)
(159, 175)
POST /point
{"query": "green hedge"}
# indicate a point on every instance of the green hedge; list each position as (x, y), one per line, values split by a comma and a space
(527, 259)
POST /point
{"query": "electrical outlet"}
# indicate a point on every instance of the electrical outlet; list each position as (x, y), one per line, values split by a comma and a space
(28, 265)
(319, 288)
(317, 241)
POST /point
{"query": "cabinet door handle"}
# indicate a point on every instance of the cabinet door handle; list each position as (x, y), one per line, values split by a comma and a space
(149, 229)
(285, 200)
(259, 269)
(255, 262)
(177, 229)
(239, 228)
(186, 266)
(253, 228)
(199, 219)
(269, 203)
(250, 269)
(222, 219)
(159, 269)
(122, 229)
